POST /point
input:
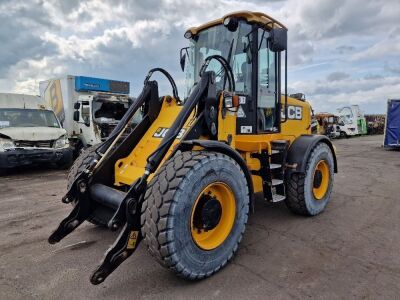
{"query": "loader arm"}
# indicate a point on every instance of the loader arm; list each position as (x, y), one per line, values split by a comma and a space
(130, 208)
(88, 191)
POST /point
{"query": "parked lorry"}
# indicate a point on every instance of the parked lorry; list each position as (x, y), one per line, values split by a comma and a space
(352, 121)
(30, 133)
(88, 108)
(392, 125)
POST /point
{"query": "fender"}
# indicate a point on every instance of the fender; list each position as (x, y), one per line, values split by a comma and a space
(223, 148)
(301, 148)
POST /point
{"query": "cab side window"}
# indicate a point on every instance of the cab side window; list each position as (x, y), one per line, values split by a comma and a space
(266, 85)
(85, 112)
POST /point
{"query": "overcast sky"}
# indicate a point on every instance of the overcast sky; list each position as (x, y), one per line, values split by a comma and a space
(340, 52)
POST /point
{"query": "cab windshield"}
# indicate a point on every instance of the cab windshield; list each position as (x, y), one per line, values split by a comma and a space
(233, 46)
(13, 117)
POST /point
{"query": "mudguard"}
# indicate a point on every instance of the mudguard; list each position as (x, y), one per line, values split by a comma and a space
(223, 148)
(300, 149)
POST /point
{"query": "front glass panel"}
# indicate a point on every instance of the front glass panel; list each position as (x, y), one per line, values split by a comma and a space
(13, 117)
(233, 46)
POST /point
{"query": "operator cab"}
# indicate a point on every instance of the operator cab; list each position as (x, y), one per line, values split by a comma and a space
(251, 43)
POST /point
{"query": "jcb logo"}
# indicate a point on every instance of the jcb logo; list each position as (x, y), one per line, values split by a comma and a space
(162, 131)
(294, 112)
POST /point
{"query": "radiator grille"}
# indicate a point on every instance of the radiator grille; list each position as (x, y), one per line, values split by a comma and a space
(35, 144)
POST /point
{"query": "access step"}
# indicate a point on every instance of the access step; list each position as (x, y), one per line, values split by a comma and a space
(275, 152)
(275, 166)
(276, 182)
(277, 198)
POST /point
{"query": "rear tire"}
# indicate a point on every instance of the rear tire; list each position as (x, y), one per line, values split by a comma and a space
(170, 205)
(302, 195)
(102, 214)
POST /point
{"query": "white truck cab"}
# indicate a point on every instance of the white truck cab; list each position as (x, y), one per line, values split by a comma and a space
(30, 133)
(348, 120)
(89, 108)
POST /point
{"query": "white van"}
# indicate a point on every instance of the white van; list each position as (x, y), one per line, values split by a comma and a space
(30, 133)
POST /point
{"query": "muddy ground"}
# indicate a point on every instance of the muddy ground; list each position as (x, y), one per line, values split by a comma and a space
(351, 250)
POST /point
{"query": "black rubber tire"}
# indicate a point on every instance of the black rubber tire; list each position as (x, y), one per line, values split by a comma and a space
(343, 135)
(102, 214)
(167, 208)
(299, 196)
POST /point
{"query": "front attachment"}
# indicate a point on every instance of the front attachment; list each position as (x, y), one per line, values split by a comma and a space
(126, 243)
(82, 210)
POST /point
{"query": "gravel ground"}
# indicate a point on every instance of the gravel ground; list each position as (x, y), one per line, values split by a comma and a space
(350, 251)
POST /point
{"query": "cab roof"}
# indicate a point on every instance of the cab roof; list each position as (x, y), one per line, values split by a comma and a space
(251, 17)
(23, 101)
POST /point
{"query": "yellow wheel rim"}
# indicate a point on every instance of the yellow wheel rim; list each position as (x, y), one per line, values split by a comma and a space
(321, 179)
(223, 198)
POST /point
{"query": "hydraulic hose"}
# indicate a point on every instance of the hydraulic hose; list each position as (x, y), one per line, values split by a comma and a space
(169, 77)
(224, 63)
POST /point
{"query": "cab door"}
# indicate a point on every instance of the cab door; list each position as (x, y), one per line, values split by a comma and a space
(267, 86)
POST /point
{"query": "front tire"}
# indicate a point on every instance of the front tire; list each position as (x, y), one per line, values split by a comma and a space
(195, 212)
(308, 194)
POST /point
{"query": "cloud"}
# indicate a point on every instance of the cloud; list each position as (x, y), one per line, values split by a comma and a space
(337, 76)
(371, 92)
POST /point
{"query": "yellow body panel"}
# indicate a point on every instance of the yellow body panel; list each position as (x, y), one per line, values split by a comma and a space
(251, 17)
(128, 169)
(290, 130)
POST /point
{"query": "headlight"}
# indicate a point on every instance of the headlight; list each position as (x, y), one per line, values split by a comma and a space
(6, 144)
(61, 142)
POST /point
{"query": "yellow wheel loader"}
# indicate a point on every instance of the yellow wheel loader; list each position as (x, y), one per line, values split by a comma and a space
(184, 179)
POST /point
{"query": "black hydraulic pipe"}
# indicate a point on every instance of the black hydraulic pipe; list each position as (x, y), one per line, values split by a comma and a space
(224, 63)
(169, 77)
(157, 156)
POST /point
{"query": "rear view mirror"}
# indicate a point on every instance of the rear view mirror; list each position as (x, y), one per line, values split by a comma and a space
(76, 115)
(183, 59)
(77, 105)
(278, 39)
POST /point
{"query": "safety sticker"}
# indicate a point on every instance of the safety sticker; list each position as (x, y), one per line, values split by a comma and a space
(246, 129)
(4, 124)
(162, 131)
(132, 240)
(240, 113)
(242, 100)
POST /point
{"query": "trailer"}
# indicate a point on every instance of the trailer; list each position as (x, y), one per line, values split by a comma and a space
(88, 108)
(392, 125)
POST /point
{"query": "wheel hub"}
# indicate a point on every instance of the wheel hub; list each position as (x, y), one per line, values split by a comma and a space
(321, 180)
(317, 179)
(213, 215)
(207, 213)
